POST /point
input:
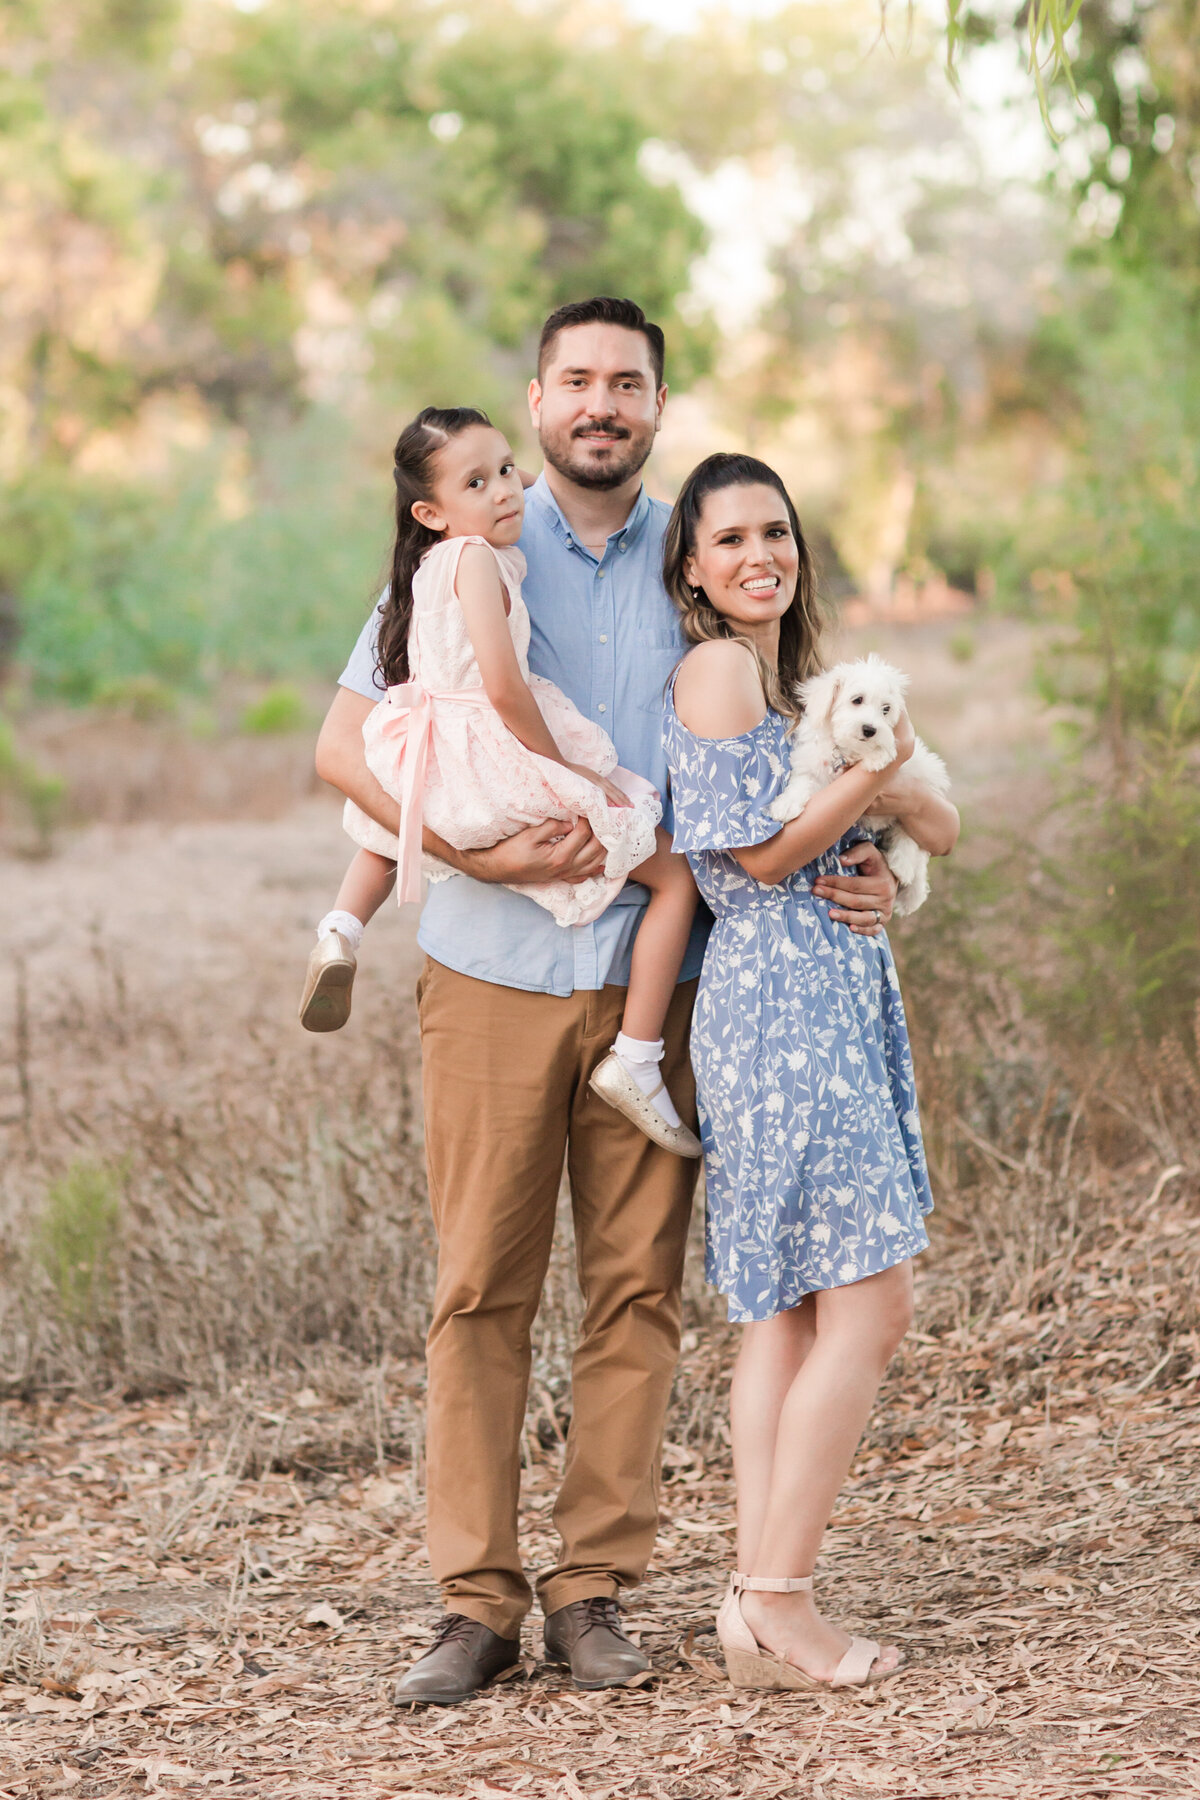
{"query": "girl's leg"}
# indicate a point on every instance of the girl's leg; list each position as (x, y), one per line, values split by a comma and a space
(661, 941)
(325, 1002)
(654, 972)
(768, 1362)
(821, 1418)
(365, 886)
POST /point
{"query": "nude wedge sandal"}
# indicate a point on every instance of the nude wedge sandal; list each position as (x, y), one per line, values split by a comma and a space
(751, 1665)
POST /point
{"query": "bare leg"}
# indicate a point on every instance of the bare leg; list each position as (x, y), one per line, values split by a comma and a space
(661, 940)
(366, 885)
(768, 1362)
(820, 1420)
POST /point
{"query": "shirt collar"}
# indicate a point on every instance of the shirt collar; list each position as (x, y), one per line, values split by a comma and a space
(629, 533)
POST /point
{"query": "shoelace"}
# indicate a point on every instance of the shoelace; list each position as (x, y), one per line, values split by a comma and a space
(454, 1628)
(601, 1609)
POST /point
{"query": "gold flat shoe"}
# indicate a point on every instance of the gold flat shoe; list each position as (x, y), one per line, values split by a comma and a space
(616, 1085)
(325, 1002)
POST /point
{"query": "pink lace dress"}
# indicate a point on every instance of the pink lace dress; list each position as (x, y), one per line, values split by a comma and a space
(438, 747)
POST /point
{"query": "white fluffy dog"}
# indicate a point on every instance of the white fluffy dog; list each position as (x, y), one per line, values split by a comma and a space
(849, 716)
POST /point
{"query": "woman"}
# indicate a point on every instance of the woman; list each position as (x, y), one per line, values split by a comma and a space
(816, 1178)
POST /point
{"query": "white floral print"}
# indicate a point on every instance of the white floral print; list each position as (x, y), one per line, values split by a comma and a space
(815, 1171)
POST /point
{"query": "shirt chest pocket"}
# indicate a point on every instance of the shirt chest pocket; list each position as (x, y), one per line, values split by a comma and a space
(657, 650)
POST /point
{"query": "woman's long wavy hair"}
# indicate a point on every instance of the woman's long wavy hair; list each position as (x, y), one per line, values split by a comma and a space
(800, 626)
(413, 470)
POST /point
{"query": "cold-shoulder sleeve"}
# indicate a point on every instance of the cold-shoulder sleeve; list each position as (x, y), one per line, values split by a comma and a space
(721, 787)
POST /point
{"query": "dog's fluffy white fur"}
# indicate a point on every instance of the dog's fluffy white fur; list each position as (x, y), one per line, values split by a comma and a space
(849, 717)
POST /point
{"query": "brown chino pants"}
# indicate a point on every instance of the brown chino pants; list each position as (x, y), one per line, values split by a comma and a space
(506, 1097)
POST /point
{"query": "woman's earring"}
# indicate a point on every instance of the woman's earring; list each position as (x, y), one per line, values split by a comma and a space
(696, 593)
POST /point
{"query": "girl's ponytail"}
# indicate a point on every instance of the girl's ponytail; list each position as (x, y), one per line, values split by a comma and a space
(412, 470)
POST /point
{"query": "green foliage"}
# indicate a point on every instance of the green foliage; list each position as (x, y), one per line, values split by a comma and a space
(1133, 544)
(76, 1239)
(37, 793)
(1126, 909)
(132, 593)
(280, 710)
(348, 214)
(1049, 53)
(111, 580)
(1127, 915)
(140, 697)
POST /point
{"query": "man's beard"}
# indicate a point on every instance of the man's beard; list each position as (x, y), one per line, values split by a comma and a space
(568, 453)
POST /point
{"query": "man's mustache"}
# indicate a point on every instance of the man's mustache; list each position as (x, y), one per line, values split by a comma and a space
(587, 431)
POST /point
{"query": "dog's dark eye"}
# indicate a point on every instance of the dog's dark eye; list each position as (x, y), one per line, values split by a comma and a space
(857, 700)
(887, 709)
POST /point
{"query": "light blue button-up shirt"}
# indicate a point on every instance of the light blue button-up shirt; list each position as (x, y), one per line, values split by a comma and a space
(607, 633)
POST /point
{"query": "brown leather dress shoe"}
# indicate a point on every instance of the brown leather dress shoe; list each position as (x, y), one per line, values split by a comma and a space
(587, 1636)
(465, 1657)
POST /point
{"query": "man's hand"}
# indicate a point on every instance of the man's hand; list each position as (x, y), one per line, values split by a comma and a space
(551, 851)
(864, 901)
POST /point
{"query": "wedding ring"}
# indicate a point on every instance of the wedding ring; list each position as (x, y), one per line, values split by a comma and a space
(878, 916)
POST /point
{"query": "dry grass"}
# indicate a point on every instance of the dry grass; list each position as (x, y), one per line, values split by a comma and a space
(207, 1594)
(213, 1436)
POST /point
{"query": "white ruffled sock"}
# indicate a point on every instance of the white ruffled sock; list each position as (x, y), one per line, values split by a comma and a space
(640, 1061)
(345, 924)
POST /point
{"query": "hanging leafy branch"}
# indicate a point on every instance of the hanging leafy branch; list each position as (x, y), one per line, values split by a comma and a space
(1045, 26)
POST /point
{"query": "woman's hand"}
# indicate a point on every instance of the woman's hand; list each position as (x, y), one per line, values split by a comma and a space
(613, 794)
(906, 741)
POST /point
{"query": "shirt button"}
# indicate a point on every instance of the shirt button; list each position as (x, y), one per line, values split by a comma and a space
(602, 707)
(624, 547)
(604, 637)
(599, 574)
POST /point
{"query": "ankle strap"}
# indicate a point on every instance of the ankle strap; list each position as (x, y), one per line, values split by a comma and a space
(770, 1584)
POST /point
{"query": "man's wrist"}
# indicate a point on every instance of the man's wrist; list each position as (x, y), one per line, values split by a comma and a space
(467, 862)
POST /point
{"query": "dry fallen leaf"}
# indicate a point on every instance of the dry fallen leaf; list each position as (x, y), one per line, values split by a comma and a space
(324, 1614)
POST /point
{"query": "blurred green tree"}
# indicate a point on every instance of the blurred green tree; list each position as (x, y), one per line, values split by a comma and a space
(220, 223)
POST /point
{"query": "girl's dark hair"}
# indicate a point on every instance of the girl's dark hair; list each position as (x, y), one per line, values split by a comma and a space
(412, 470)
(800, 626)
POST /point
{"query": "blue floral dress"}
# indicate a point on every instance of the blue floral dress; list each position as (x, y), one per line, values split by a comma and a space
(815, 1171)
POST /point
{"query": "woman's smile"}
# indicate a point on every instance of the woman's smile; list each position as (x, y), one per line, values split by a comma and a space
(746, 559)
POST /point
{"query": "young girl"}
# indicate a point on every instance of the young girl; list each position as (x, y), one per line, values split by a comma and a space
(815, 1175)
(474, 746)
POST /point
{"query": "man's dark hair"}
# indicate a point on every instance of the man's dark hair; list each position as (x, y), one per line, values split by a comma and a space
(603, 310)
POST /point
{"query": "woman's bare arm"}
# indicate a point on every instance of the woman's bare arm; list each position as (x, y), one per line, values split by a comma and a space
(718, 694)
(930, 819)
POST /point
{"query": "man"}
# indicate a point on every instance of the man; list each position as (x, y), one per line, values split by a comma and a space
(515, 1013)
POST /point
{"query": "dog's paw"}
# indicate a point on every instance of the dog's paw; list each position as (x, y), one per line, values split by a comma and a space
(877, 756)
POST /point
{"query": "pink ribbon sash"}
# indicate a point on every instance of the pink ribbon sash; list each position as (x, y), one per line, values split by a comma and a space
(409, 729)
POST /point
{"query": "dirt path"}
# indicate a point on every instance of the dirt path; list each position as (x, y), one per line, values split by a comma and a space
(208, 1591)
(184, 1618)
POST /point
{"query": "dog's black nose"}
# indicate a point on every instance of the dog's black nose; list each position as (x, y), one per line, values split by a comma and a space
(869, 730)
